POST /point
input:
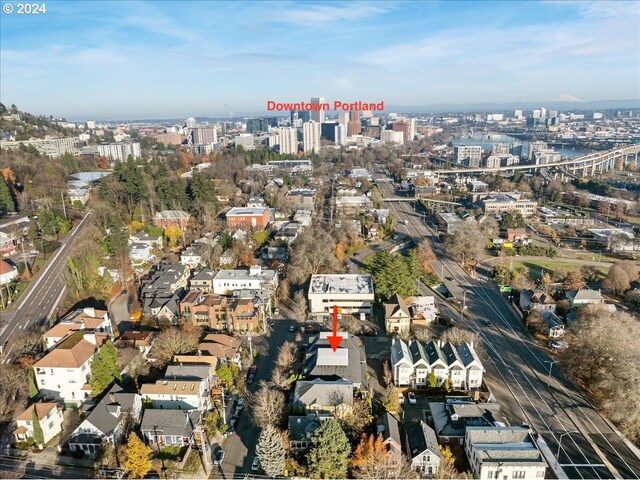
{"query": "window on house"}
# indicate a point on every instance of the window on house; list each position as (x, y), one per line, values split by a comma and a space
(51, 424)
(540, 474)
(519, 474)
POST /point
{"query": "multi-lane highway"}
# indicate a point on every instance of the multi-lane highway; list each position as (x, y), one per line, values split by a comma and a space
(41, 298)
(523, 377)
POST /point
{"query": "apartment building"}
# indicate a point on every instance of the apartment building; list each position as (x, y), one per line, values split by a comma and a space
(51, 147)
(255, 278)
(505, 453)
(171, 218)
(413, 362)
(63, 373)
(498, 203)
(469, 155)
(119, 151)
(49, 416)
(351, 293)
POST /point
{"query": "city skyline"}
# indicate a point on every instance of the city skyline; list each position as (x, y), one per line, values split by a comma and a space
(151, 60)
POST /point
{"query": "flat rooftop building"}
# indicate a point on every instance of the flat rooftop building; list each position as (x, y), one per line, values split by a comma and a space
(350, 293)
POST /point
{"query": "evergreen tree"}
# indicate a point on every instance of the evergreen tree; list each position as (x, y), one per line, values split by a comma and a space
(271, 451)
(33, 389)
(38, 434)
(68, 161)
(328, 456)
(137, 463)
(104, 369)
(7, 204)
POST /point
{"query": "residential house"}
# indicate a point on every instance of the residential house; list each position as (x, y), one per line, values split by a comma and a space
(324, 397)
(63, 373)
(348, 362)
(396, 315)
(423, 310)
(288, 232)
(109, 421)
(301, 429)
(140, 340)
(161, 291)
(516, 234)
(585, 296)
(271, 254)
(140, 253)
(422, 448)
(191, 257)
(451, 418)
(206, 310)
(373, 231)
(256, 279)
(536, 300)
(303, 217)
(179, 394)
(49, 416)
(554, 326)
(171, 218)
(301, 198)
(154, 241)
(182, 371)
(169, 428)
(8, 272)
(412, 364)
(226, 258)
(426, 191)
(7, 244)
(203, 280)
(353, 204)
(391, 439)
(504, 453)
(224, 347)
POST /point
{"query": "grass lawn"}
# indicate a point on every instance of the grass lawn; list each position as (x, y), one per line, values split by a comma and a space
(549, 266)
(192, 465)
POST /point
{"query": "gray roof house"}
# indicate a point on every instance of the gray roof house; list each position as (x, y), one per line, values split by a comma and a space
(347, 362)
(451, 418)
(391, 438)
(422, 447)
(555, 325)
(536, 300)
(108, 421)
(301, 430)
(169, 427)
(584, 296)
(328, 397)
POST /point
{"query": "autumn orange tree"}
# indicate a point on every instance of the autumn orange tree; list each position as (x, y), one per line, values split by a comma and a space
(371, 460)
(370, 449)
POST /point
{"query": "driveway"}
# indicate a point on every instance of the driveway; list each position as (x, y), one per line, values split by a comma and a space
(119, 313)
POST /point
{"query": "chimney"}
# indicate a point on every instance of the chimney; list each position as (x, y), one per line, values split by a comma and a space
(112, 397)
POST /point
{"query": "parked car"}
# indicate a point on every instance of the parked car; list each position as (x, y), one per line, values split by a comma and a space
(401, 398)
(219, 457)
(255, 464)
(276, 311)
(412, 398)
(240, 403)
(292, 328)
(250, 378)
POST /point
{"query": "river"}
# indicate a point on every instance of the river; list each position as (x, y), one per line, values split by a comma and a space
(486, 141)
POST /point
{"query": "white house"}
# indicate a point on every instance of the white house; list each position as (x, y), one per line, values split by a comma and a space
(423, 310)
(63, 373)
(49, 416)
(107, 421)
(350, 293)
(503, 453)
(585, 296)
(8, 272)
(190, 257)
(187, 394)
(412, 363)
(227, 281)
(140, 253)
(422, 448)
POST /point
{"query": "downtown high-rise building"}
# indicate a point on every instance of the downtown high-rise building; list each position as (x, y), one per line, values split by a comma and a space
(343, 118)
(203, 135)
(317, 115)
(340, 134)
(354, 126)
(286, 138)
(311, 137)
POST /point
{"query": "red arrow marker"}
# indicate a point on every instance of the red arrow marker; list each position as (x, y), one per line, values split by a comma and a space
(335, 339)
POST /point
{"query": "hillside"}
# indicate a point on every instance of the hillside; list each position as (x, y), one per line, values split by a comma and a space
(23, 125)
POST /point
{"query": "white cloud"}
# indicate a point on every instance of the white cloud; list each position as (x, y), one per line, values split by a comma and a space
(313, 15)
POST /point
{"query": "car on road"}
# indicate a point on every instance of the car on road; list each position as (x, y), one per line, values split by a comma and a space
(292, 328)
(276, 311)
(250, 378)
(412, 398)
(255, 464)
(240, 403)
(486, 322)
(401, 398)
(219, 457)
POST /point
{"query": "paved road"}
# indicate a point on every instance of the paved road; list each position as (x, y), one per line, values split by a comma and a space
(519, 369)
(41, 298)
(240, 447)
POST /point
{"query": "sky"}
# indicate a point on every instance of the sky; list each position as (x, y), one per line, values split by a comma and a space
(166, 59)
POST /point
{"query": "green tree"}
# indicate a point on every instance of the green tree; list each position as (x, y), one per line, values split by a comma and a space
(68, 161)
(228, 372)
(137, 463)
(432, 380)
(328, 456)
(7, 204)
(271, 451)
(38, 434)
(512, 220)
(394, 274)
(33, 389)
(104, 368)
